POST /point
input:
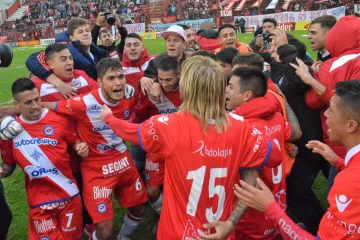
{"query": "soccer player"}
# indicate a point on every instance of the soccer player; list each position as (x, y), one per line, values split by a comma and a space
(41, 151)
(203, 147)
(169, 75)
(342, 217)
(227, 37)
(245, 85)
(108, 168)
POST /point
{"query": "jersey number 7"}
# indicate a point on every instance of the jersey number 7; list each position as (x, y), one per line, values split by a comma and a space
(198, 176)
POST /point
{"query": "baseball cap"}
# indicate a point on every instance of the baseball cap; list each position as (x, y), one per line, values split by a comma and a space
(174, 30)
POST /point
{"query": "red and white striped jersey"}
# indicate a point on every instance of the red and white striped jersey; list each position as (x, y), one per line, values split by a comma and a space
(104, 144)
(41, 151)
(80, 81)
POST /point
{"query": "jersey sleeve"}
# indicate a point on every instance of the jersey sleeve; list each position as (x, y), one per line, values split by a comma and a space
(74, 107)
(259, 150)
(36, 64)
(287, 131)
(7, 153)
(158, 135)
(70, 135)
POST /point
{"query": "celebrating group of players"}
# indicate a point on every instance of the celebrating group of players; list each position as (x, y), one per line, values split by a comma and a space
(195, 130)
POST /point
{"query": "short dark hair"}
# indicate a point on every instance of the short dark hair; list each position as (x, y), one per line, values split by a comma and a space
(21, 85)
(107, 63)
(167, 63)
(106, 31)
(185, 27)
(205, 53)
(54, 48)
(349, 93)
(74, 24)
(270, 20)
(225, 26)
(227, 55)
(252, 79)
(133, 35)
(326, 21)
(250, 59)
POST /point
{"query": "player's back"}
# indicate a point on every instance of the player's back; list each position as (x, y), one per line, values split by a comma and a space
(254, 223)
(201, 170)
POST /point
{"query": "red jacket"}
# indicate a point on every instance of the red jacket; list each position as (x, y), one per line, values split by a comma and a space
(344, 65)
(134, 70)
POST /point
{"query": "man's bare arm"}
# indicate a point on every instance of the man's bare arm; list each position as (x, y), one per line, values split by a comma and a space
(49, 105)
(295, 125)
(9, 111)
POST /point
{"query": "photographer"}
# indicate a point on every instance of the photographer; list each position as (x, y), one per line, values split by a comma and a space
(262, 42)
(107, 41)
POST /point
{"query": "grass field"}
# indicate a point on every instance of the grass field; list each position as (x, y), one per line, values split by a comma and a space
(14, 185)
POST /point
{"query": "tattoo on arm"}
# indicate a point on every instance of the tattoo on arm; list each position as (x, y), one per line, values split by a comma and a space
(7, 170)
(249, 176)
(291, 117)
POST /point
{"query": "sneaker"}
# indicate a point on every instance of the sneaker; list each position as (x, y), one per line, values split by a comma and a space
(154, 230)
(89, 229)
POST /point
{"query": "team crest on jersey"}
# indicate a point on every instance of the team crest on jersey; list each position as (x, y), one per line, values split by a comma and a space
(49, 130)
(45, 238)
(147, 176)
(76, 84)
(126, 113)
(101, 207)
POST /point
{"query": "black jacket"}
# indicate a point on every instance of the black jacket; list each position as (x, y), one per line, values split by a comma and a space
(294, 90)
(119, 48)
(151, 70)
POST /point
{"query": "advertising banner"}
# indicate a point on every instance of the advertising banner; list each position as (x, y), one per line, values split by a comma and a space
(135, 28)
(194, 24)
(29, 43)
(148, 35)
(302, 25)
(12, 44)
(155, 20)
(286, 26)
(3, 39)
(169, 19)
(45, 42)
(286, 17)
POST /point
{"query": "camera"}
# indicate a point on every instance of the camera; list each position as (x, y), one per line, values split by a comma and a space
(110, 19)
(6, 55)
(266, 36)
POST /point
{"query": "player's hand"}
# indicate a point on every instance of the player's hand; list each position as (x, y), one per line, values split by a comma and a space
(279, 36)
(155, 93)
(105, 110)
(66, 90)
(222, 230)
(9, 128)
(129, 91)
(294, 150)
(100, 19)
(252, 197)
(316, 66)
(322, 149)
(146, 84)
(303, 72)
(82, 149)
(259, 40)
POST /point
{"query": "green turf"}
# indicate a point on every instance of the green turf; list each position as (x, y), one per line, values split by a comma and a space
(14, 185)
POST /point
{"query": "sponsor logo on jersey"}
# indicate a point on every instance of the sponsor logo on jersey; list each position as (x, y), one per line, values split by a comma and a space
(168, 110)
(269, 231)
(39, 172)
(350, 228)
(102, 128)
(44, 226)
(35, 141)
(76, 84)
(104, 147)
(95, 108)
(116, 167)
(163, 119)
(342, 203)
(101, 192)
(280, 197)
(288, 230)
(213, 152)
(151, 166)
(126, 113)
(77, 98)
(273, 129)
(147, 176)
(45, 238)
(49, 130)
(101, 207)
(68, 105)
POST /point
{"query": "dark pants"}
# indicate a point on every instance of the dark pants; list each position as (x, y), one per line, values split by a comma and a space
(301, 199)
(5, 214)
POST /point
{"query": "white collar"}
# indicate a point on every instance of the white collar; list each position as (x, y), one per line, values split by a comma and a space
(105, 101)
(325, 54)
(351, 153)
(35, 121)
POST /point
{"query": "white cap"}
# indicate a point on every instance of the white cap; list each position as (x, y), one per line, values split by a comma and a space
(175, 30)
